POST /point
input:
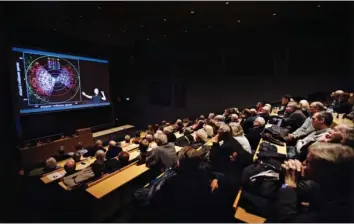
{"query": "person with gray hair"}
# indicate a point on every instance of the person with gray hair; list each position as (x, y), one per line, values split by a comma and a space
(304, 107)
(211, 116)
(50, 165)
(201, 136)
(164, 155)
(113, 150)
(70, 167)
(337, 134)
(234, 118)
(254, 135)
(228, 157)
(293, 117)
(238, 134)
(171, 137)
(209, 130)
(306, 128)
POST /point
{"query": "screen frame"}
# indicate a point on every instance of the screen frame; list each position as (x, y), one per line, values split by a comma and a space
(13, 73)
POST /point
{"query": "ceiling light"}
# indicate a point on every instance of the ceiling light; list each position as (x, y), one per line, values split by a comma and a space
(192, 12)
(99, 7)
(209, 27)
(238, 21)
(318, 6)
(109, 35)
(164, 19)
(226, 3)
(147, 38)
(185, 31)
(142, 26)
(274, 14)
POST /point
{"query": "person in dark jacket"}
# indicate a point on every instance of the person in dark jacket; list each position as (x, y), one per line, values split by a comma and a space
(331, 167)
(294, 118)
(248, 118)
(342, 106)
(144, 153)
(220, 154)
(92, 150)
(116, 163)
(164, 155)
(171, 137)
(284, 102)
(113, 150)
(185, 197)
(254, 136)
(70, 167)
(61, 155)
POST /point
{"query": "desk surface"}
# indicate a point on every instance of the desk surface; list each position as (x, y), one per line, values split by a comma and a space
(61, 172)
(281, 149)
(108, 185)
(338, 119)
(111, 130)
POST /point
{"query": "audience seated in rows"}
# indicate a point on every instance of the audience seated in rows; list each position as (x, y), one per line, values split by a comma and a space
(293, 117)
(77, 157)
(144, 153)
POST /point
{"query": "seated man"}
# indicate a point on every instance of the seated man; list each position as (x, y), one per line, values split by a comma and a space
(284, 102)
(80, 148)
(185, 196)
(50, 165)
(321, 121)
(61, 155)
(70, 167)
(248, 118)
(254, 135)
(293, 118)
(337, 134)
(164, 155)
(330, 166)
(187, 139)
(234, 118)
(113, 150)
(144, 153)
(306, 128)
(92, 151)
(265, 113)
(169, 133)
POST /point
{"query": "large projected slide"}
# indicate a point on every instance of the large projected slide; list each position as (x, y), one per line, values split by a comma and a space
(50, 82)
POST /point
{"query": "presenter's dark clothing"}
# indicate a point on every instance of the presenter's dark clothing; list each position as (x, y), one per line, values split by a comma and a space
(96, 99)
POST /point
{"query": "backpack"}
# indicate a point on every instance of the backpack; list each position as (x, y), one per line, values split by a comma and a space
(144, 195)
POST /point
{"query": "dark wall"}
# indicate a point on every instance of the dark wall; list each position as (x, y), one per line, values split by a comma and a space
(238, 69)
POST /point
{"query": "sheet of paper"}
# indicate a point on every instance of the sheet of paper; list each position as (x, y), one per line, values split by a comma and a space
(133, 155)
(56, 175)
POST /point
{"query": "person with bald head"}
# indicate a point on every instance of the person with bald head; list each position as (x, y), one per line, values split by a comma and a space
(92, 150)
(113, 150)
(70, 167)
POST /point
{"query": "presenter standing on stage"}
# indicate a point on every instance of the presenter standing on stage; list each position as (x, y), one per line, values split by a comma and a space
(96, 98)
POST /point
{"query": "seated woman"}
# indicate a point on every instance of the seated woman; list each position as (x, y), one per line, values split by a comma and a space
(305, 107)
(237, 133)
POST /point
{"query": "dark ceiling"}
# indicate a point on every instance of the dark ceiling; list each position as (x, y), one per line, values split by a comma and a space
(118, 23)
